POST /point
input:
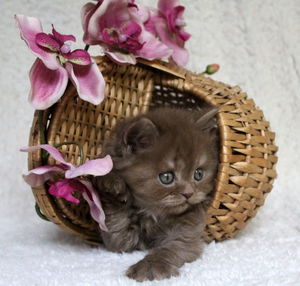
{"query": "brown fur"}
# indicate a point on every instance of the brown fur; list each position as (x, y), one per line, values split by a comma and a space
(143, 213)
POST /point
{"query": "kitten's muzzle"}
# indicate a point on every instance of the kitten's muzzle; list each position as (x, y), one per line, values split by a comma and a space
(187, 195)
(188, 191)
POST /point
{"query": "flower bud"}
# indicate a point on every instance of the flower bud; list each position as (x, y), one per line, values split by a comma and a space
(211, 69)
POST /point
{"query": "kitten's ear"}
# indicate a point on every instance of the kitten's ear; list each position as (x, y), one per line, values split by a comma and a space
(140, 134)
(207, 122)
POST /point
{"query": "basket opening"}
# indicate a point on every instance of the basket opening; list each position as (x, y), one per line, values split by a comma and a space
(172, 97)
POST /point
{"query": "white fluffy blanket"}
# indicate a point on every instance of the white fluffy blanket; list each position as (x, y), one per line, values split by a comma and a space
(257, 44)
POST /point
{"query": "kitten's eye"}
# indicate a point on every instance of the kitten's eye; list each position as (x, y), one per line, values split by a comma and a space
(198, 175)
(167, 178)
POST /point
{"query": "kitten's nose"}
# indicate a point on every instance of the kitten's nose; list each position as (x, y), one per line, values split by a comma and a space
(187, 195)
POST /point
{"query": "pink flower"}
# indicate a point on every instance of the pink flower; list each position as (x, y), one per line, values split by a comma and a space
(117, 25)
(167, 23)
(65, 187)
(56, 63)
(174, 15)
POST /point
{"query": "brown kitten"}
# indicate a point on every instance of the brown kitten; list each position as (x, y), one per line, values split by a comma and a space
(165, 164)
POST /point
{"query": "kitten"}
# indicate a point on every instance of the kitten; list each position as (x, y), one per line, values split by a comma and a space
(165, 164)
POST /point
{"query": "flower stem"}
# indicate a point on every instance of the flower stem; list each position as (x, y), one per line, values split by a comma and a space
(82, 158)
(41, 126)
(39, 213)
(86, 47)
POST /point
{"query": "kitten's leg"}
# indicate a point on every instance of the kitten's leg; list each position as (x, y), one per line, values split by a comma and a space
(111, 185)
(182, 244)
(123, 233)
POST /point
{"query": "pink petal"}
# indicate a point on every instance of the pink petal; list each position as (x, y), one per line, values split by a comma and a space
(47, 86)
(79, 57)
(173, 18)
(184, 36)
(120, 58)
(131, 45)
(64, 189)
(62, 38)
(131, 29)
(129, 37)
(47, 41)
(90, 17)
(86, 12)
(88, 81)
(107, 14)
(96, 209)
(151, 22)
(166, 5)
(29, 28)
(38, 176)
(140, 13)
(112, 13)
(108, 37)
(153, 47)
(132, 4)
(51, 150)
(97, 167)
(180, 54)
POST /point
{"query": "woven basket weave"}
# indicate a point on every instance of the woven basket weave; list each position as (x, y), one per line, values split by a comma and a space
(247, 150)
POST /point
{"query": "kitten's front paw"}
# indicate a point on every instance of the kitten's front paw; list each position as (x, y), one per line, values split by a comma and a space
(149, 269)
(112, 185)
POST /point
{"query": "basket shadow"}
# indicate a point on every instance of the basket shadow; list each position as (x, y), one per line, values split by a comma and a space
(59, 236)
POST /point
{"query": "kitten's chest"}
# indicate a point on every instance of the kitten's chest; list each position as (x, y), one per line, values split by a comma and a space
(152, 231)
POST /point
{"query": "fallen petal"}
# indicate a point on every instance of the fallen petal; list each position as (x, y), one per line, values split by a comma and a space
(38, 176)
(47, 86)
(97, 167)
(51, 150)
(88, 81)
(96, 209)
(29, 27)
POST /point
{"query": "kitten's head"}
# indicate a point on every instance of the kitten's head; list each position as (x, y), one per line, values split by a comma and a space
(168, 158)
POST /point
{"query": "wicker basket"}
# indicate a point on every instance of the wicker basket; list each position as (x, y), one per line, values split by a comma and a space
(247, 150)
